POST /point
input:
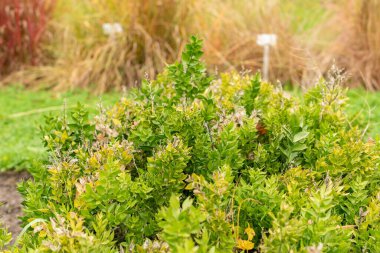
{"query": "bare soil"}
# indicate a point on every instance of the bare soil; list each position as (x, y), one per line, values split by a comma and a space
(11, 200)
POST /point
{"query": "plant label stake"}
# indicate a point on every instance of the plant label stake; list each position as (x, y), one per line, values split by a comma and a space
(111, 29)
(265, 41)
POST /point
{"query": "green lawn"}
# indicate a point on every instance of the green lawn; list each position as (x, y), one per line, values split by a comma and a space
(22, 111)
(364, 107)
(21, 114)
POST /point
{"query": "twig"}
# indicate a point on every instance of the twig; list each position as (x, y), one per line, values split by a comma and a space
(209, 134)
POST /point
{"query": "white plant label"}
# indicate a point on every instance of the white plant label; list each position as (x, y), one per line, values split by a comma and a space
(266, 41)
(111, 29)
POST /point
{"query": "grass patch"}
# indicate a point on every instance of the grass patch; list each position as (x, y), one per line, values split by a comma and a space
(364, 109)
(22, 111)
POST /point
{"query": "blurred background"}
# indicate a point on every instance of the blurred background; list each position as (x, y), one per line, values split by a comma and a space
(63, 51)
(60, 44)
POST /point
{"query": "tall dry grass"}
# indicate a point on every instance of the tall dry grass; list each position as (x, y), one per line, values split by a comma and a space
(311, 36)
(357, 46)
(85, 57)
(154, 34)
(230, 38)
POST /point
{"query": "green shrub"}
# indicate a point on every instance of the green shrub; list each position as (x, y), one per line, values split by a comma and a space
(190, 163)
(5, 236)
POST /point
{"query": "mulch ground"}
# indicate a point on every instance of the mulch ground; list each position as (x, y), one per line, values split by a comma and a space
(10, 198)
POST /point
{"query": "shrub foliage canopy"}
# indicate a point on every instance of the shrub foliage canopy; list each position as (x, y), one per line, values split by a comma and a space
(191, 163)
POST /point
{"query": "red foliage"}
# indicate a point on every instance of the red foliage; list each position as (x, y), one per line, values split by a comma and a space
(22, 25)
(261, 129)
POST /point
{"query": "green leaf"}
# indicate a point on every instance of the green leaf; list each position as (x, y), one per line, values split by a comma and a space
(300, 136)
(299, 147)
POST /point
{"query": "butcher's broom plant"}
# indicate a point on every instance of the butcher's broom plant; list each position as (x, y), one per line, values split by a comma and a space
(191, 163)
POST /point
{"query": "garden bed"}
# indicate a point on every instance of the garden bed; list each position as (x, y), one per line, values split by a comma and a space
(11, 200)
